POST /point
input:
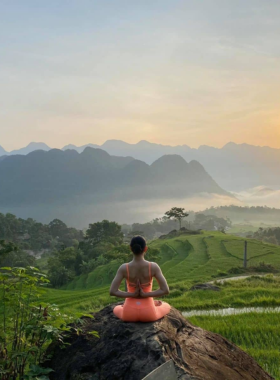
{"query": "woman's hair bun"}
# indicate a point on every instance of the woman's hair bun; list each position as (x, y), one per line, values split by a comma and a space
(138, 244)
(136, 248)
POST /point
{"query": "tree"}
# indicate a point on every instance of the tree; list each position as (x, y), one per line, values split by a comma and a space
(176, 213)
(57, 227)
(10, 255)
(64, 265)
(104, 231)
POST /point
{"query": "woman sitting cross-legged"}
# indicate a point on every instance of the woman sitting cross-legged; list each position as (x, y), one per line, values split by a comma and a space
(139, 305)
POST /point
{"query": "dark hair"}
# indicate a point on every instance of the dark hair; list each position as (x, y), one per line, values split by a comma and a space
(138, 244)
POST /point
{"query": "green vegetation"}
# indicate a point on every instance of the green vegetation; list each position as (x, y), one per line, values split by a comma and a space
(31, 235)
(268, 235)
(177, 213)
(103, 244)
(243, 229)
(28, 326)
(186, 258)
(210, 222)
(257, 334)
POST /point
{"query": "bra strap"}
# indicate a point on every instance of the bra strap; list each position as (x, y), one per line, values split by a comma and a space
(127, 271)
(150, 264)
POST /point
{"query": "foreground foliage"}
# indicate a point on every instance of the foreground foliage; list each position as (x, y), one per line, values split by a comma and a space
(28, 326)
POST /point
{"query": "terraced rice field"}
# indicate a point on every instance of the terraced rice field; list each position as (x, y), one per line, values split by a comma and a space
(184, 260)
(191, 259)
(257, 334)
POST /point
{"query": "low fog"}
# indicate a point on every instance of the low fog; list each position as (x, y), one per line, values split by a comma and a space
(79, 215)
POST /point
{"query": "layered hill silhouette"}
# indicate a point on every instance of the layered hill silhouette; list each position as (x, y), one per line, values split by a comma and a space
(58, 176)
(235, 167)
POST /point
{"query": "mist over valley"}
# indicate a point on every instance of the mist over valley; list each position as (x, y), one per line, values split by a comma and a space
(85, 184)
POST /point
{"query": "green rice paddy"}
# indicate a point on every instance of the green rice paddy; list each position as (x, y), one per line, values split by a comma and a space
(191, 259)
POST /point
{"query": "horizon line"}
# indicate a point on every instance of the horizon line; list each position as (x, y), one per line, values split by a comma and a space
(137, 143)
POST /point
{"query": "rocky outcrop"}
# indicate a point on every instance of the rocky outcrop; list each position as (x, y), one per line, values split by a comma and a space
(130, 351)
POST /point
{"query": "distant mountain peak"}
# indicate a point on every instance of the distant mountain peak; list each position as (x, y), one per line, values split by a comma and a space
(230, 144)
(2, 151)
(113, 143)
(175, 158)
(31, 147)
(34, 144)
(145, 143)
(95, 152)
(69, 146)
(169, 162)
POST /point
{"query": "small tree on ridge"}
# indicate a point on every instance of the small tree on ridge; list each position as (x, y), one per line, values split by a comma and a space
(176, 213)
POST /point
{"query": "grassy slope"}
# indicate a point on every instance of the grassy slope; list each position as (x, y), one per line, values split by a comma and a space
(192, 259)
(185, 260)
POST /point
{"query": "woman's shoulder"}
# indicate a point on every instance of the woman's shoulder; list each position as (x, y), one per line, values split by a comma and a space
(154, 267)
(153, 264)
(123, 267)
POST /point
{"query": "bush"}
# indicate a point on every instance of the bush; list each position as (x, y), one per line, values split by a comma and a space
(220, 273)
(237, 270)
(28, 326)
(262, 268)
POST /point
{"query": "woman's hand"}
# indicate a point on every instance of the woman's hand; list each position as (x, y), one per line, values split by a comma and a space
(137, 290)
(142, 294)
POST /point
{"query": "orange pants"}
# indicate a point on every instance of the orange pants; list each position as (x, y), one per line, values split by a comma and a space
(141, 310)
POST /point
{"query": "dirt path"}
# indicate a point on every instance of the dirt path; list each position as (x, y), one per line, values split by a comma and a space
(242, 277)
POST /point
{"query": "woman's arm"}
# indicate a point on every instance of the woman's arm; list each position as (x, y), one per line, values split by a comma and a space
(163, 287)
(114, 290)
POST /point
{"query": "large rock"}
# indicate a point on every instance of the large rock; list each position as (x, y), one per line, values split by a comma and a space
(130, 351)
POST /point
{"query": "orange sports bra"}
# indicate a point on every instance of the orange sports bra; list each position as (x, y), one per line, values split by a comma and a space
(131, 284)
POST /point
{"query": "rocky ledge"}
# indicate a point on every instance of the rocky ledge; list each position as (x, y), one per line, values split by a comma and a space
(130, 351)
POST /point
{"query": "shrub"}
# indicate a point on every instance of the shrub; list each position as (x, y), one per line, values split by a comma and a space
(28, 327)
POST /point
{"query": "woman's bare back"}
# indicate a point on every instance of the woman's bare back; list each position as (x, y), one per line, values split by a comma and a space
(139, 271)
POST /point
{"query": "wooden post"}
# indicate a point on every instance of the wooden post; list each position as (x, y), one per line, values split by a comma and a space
(245, 254)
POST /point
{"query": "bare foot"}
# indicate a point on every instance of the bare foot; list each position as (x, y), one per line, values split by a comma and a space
(157, 303)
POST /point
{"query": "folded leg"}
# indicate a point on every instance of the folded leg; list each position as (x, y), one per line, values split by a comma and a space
(162, 309)
(118, 311)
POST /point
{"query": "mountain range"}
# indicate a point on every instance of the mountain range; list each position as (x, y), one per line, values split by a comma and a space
(235, 167)
(49, 181)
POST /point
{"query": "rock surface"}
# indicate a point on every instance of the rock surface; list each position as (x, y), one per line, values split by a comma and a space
(130, 351)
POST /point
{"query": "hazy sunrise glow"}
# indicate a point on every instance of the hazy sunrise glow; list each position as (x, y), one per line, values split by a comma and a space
(170, 72)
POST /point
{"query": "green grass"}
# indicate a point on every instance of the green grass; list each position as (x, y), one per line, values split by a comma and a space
(256, 334)
(250, 292)
(185, 260)
(191, 259)
(243, 228)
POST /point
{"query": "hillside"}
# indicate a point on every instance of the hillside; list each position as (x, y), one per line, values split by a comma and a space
(189, 259)
(64, 184)
(239, 214)
(235, 167)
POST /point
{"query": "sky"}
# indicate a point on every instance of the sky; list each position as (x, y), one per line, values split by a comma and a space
(195, 72)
